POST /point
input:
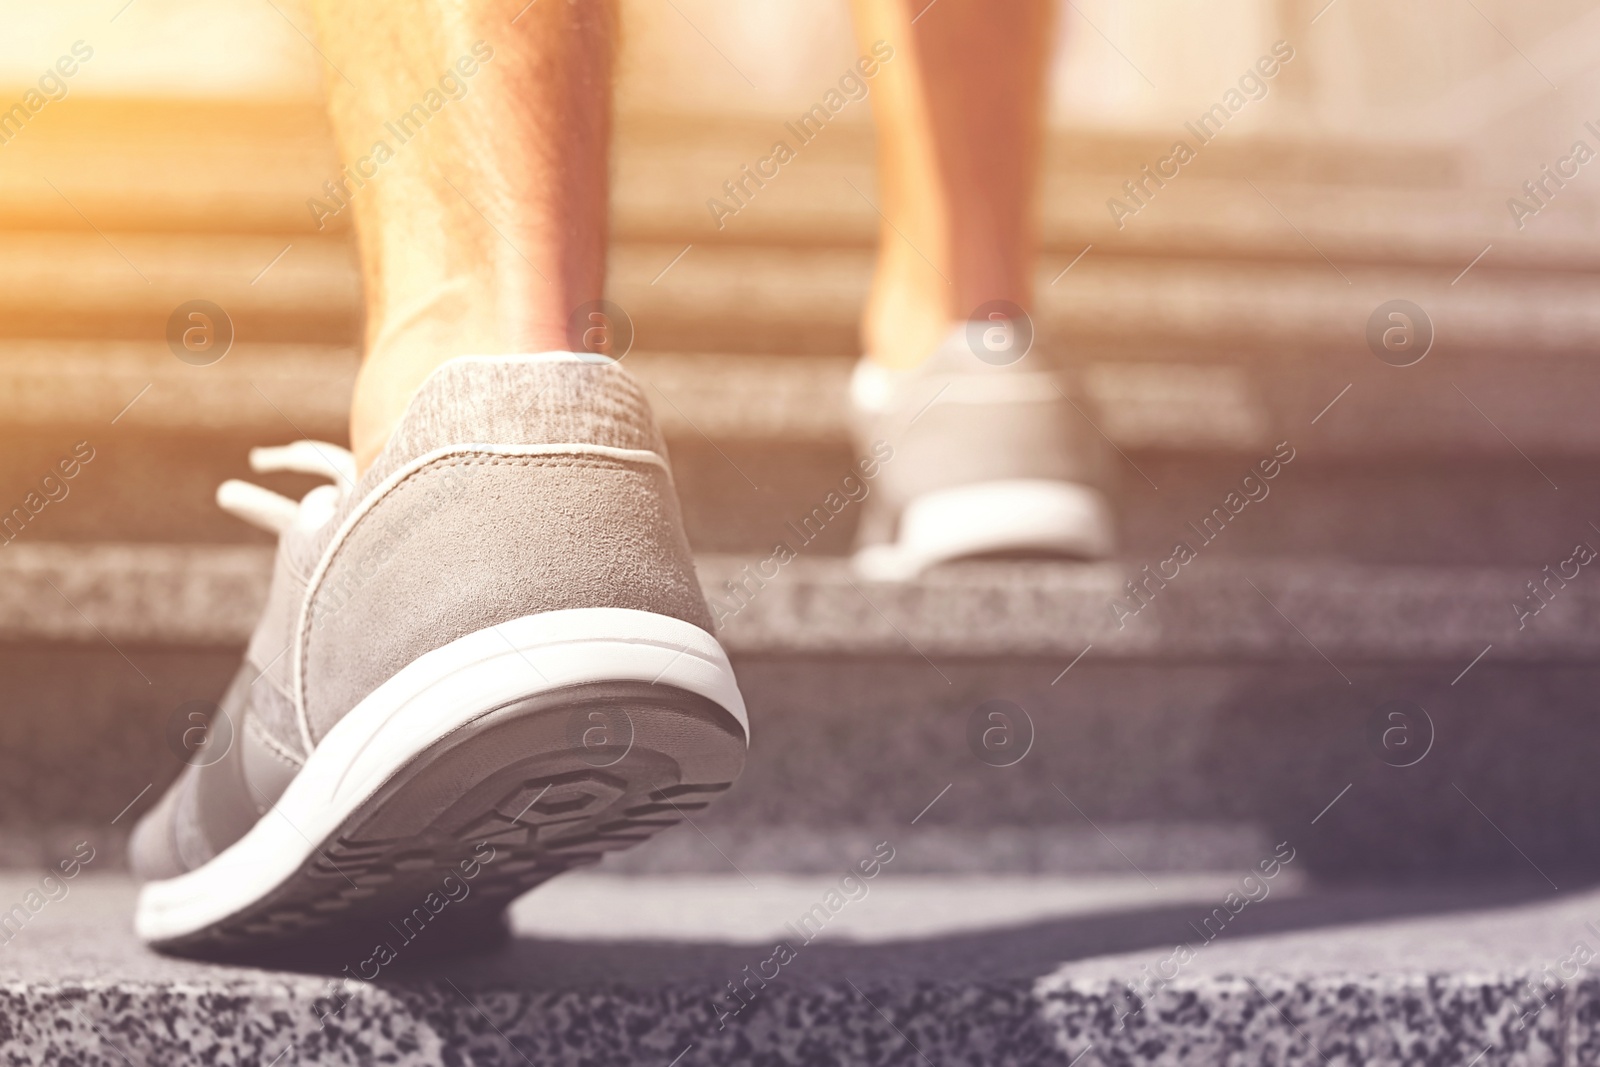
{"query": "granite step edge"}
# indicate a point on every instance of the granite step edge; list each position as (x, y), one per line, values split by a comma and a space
(201, 596)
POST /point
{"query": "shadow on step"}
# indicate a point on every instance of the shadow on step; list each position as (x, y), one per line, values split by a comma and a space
(1002, 956)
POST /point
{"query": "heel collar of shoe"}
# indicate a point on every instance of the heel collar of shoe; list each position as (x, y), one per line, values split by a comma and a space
(552, 356)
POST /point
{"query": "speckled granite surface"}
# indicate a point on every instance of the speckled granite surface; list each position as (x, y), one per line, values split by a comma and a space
(1347, 978)
(1493, 987)
(188, 595)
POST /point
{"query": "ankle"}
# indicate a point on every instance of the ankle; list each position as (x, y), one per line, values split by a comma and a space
(904, 325)
(911, 312)
(409, 344)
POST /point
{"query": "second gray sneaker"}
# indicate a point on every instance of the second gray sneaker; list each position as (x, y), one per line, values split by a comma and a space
(486, 661)
(990, 459)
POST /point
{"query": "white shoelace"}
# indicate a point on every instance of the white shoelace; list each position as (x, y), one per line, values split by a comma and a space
(275, 512)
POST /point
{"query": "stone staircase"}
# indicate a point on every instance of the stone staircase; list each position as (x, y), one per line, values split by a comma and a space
(1417, 977)
(1169, 750)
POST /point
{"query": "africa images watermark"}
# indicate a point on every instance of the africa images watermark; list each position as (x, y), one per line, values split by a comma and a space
(1554, 978)
(53, 488)
(852, 887)
(748, 583)
(1253, 488)
(51, 87)
(1252, 86)
(1252, 889)
(50, 890)
(353, 177)
(1545, 590)
(1541, 190)
(852, 88)
(453, 889)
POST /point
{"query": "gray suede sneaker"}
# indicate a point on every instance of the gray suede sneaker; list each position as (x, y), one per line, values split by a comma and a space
(483, 663)
(989, 459)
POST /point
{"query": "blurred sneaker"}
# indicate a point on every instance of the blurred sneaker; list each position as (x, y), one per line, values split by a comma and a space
(990, 460)
(485, 661)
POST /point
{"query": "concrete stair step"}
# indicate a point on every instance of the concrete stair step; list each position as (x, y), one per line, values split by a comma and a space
(203, 596)
(809, 300)
(757, 446)
(169, 165)
(1243, 200)
(799, 300)
(128, 284)
(252, 166)
(1449, 462)
(623, 971)
(1144, 399)
(1338, 405)
(1245, 699)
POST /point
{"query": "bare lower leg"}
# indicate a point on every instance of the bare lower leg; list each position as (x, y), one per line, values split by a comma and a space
(960, 114)
(482, 219)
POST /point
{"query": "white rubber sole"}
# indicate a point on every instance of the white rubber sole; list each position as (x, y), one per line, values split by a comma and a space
(1015, 515)
(442, 692)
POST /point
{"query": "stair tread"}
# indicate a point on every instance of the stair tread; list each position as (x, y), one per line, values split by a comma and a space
(730, 292)
(1008, 970)
(1146, 399)
(206, 595)
(253, 166)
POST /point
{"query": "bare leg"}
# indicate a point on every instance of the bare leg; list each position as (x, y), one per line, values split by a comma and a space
(960, 114)
(487, 228)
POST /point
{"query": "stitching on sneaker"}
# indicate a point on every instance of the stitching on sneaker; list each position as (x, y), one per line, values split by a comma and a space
(273, 745)
(275, 685)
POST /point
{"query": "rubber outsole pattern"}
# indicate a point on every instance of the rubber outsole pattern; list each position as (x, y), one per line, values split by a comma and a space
(515, 798)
